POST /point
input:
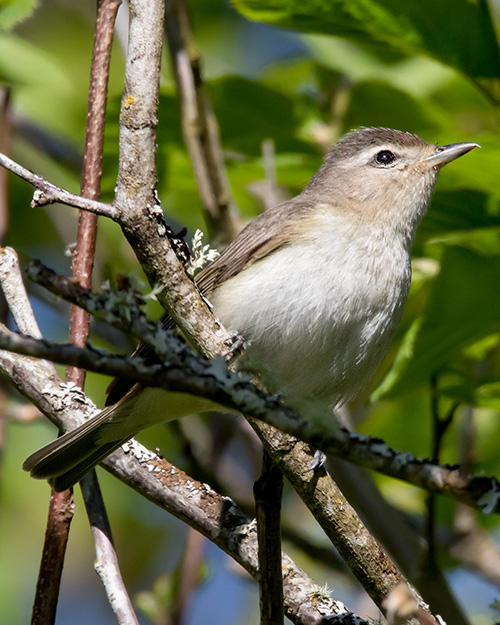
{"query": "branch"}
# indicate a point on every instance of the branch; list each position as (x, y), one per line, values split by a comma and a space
(48, 193)
(361, 560)
(208, 468)
(142, 218)
(106, 559)
(199, 126)
(60, 515)
(198, 505)
(338, 519)
(106, 563)
(210, 379)
(268, 490)
(15, 293)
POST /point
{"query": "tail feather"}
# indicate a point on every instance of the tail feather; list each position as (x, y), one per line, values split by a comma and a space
(65, 460)
(65, 480)
(68, 458)
(63, 453)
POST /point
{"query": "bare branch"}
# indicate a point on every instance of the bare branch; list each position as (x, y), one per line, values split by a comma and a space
(106, 564)
(61, 511)
(83, 260)
(48, 193)
(199, 126)
(268, 490)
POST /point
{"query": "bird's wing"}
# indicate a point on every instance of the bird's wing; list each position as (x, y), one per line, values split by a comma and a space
(262, 236)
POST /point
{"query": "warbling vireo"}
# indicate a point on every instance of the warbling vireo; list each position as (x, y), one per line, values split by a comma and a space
(316, 285)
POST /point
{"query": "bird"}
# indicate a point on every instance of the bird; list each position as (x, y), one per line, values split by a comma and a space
(316, 286)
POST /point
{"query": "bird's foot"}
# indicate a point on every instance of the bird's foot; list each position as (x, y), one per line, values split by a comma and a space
(318, 461)
(237, 347)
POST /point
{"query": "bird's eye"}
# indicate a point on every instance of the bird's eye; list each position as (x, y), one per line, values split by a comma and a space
(385, 157)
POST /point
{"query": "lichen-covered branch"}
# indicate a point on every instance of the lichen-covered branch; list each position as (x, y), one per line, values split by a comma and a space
(212, 380)
(141, 216)
(213, 515)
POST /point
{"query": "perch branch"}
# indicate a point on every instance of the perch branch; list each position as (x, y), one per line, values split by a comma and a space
(213, 515)
(204, 380)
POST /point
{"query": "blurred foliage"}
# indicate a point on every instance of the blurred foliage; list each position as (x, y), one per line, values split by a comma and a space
(427, 67)
(408, 28)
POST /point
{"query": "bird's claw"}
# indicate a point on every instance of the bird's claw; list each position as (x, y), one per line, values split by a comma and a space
(238, 346)
(318, 461)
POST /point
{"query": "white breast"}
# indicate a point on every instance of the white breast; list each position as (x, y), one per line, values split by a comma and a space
(321, 315)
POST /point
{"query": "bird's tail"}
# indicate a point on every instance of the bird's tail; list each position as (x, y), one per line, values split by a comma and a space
(67, 459)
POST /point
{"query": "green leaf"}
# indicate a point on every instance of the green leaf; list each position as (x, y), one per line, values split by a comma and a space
(14, 11)
(463, 307)
(462, 210)
(23, 63)
(369, 107)
(457, 32)
(417, 75)
(249, 112)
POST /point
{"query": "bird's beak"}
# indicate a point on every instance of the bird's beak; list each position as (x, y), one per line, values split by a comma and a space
(447, 153)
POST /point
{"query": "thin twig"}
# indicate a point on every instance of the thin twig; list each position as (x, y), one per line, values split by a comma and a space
(267, 191)
(48, 193)
(83, 260)
(200, 127)
(268, 490)
(61, 510)
(106, 559)
(189, 573)
(106, 563)
(440, 425)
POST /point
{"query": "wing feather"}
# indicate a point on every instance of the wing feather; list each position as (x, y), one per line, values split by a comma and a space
(262, 236)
